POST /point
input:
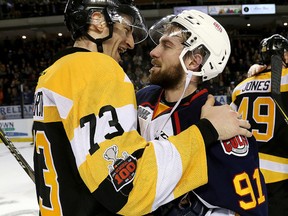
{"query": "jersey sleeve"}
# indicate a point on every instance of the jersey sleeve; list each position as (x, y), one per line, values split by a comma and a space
(124, 172)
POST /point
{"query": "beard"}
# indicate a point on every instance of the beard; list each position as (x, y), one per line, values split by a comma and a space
(168, 79)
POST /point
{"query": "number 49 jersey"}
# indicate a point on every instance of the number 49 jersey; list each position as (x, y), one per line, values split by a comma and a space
(252, 98)
(234, 179)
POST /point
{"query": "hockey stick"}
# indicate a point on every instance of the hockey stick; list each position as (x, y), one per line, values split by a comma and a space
(276, 71)
(17, 155)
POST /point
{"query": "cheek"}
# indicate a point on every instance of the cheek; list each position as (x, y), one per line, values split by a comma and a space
(119, 34)
(171, 61)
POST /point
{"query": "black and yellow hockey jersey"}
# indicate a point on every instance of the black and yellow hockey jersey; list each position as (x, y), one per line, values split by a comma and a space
(89, 158)
(234, 179)
(252, 98)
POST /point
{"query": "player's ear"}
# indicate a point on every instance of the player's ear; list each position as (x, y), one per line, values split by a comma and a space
(98, 21)
(193, 62)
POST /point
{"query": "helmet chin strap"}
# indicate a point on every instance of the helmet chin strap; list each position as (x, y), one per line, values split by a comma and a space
(99, 41)
(189, 75)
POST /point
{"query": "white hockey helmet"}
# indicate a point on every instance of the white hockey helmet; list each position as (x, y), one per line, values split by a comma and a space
(205, 32)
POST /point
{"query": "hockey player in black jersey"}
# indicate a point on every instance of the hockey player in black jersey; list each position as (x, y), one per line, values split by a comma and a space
(193, 47)
(254, 100)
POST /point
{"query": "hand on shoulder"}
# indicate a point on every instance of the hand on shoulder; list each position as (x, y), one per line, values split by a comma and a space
(255, 69)
(227, 122)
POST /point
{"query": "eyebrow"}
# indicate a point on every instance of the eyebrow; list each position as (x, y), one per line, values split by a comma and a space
(166, 39)
(127, 25)
(124, 25)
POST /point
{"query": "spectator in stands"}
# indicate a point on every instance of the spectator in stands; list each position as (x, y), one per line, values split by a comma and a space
(28, 95)
(1, 95)
(13, 52)
(15, 96)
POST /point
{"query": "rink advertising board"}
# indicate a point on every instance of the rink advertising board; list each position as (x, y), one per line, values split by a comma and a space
(14, 112)
(17, 130)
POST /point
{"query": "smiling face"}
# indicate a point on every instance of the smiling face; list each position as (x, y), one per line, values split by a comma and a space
(167, 70)
(122, 39)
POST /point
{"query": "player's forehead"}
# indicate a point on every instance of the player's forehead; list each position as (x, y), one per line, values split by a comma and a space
(173, 38)
(172, 34)
(128, 20)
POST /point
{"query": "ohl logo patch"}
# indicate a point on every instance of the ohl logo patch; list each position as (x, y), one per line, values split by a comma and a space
(238, 146)
(122, 170)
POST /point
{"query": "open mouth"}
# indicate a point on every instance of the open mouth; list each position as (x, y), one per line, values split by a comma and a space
(121, 50)
(155, 65)
(154, 68)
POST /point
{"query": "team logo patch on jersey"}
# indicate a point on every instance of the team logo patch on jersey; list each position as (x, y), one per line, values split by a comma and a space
(143, 113)
(122, 170)
(238, 146)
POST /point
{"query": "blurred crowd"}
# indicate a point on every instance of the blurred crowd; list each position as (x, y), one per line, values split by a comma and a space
(22, 61)
(10, 9)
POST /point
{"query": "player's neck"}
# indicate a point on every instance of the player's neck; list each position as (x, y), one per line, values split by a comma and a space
(173, 95)
(86, 44)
